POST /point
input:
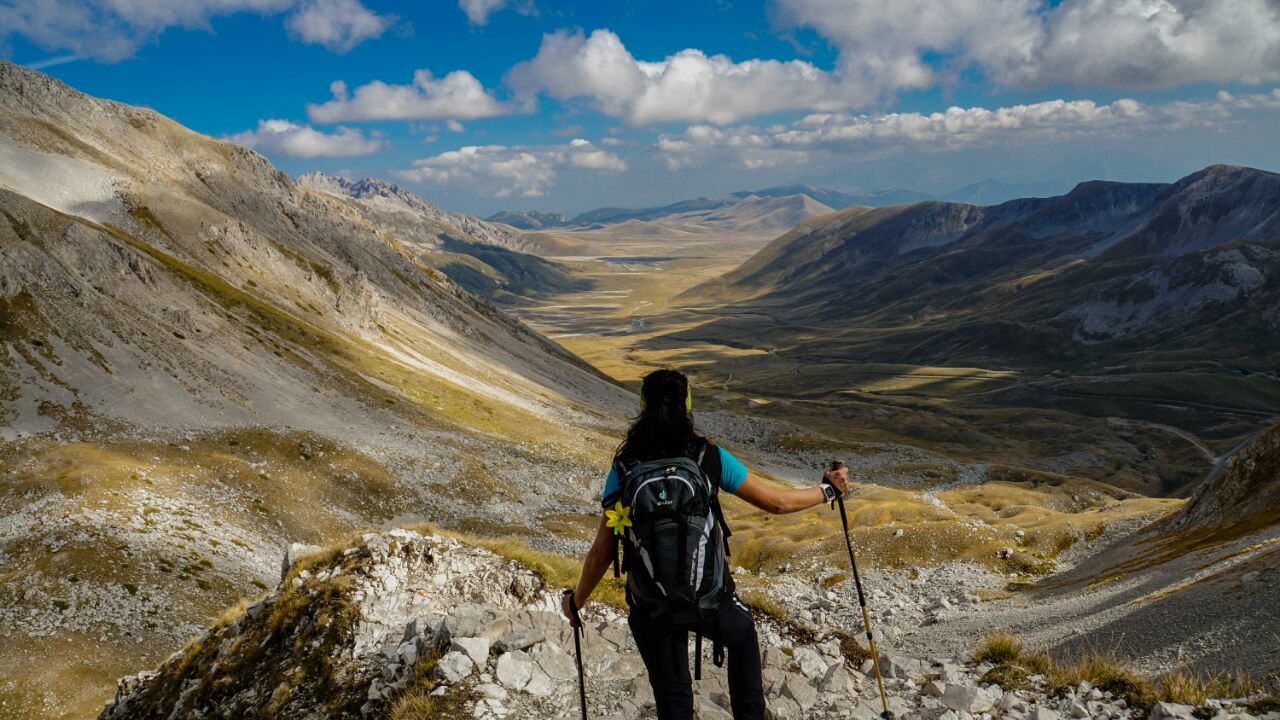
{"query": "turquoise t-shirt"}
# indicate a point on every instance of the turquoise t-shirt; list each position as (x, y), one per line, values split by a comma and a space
(732, 474)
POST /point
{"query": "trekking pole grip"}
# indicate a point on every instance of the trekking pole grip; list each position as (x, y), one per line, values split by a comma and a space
(836, 466)
(573, 606)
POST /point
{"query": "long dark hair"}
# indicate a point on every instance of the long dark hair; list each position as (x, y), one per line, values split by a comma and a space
(664, 427)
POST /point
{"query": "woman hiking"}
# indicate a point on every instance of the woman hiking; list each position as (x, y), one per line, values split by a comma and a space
(661, 506)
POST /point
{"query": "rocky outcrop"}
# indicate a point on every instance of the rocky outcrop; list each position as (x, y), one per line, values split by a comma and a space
(1242, 490)
(359, 631)
(385, 196)
(349, 633)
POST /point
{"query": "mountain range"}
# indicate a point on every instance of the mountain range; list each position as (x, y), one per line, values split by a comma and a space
(987, 192)
(1125, 270)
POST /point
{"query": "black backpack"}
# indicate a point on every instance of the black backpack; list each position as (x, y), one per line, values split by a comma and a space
(674, 552)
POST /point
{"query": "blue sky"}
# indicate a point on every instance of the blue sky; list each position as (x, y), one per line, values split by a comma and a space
(534, 104)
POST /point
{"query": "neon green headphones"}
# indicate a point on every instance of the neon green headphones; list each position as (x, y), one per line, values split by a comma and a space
(688, 400)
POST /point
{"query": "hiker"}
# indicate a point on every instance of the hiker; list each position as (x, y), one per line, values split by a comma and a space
(671, 554)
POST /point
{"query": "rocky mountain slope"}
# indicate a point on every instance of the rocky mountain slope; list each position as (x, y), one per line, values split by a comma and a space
(381, 195)
(1194, 588)
(409, 626)
(487, 259)
(1241, 494)
(1129, 267)
(529, 219)
(1093, 313)
(202, 361)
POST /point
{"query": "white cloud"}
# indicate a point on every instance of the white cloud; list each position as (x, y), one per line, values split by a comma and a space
(686, 86)
(458, 95)
(1134, 44)
(843, 134)
(339, 25)
(112, 30)
(502, 171)
(478, 11)
(885, 48)
(281, 137)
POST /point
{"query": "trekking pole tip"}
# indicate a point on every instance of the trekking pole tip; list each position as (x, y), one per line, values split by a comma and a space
(887, 715)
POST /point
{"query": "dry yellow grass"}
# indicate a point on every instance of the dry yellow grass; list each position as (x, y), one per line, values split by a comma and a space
(1014, 664)
(1050, 522)
(1112, 673)
(1189, 688)
(999, 648)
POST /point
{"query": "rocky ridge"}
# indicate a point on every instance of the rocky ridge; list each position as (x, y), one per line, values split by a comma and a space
(389, 197)
(353, 632)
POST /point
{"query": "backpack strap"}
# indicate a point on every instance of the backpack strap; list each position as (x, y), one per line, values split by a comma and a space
(710, 464)
(618, 546)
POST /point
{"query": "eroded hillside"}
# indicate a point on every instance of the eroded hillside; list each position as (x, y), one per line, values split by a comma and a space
(203, 362)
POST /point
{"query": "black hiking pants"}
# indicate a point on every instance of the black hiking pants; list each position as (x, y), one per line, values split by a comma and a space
(665, 650)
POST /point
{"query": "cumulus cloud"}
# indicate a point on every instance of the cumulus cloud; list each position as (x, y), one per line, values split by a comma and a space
(840, 133)
(1132, 44)
(112, 30)
(478, 11)
(281, 137)
(503, 171)
(687, 86)
(885, 48)
(338, 25)
(458, 96)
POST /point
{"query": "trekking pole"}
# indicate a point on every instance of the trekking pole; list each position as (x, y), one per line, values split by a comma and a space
(862, 601)
(577, 651)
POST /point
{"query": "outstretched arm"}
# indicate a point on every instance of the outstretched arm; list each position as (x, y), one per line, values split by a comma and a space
(779, 501)
(596, 564)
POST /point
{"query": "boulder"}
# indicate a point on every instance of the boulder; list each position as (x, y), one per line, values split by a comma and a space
(540, 684)
(836, 680)
(784, 708)
(900, 668)
(773, 657)
(475, 648)
(810, 662)
(455, 666)
(800, 691)
(520, 640)
(704, 709)
(950, 673)
(514, 669)
(964, 698)
(555, 662)
(1044, 713)
(1171, 710)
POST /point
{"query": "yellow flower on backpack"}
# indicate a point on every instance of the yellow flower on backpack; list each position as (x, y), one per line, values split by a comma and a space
(619, 518)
